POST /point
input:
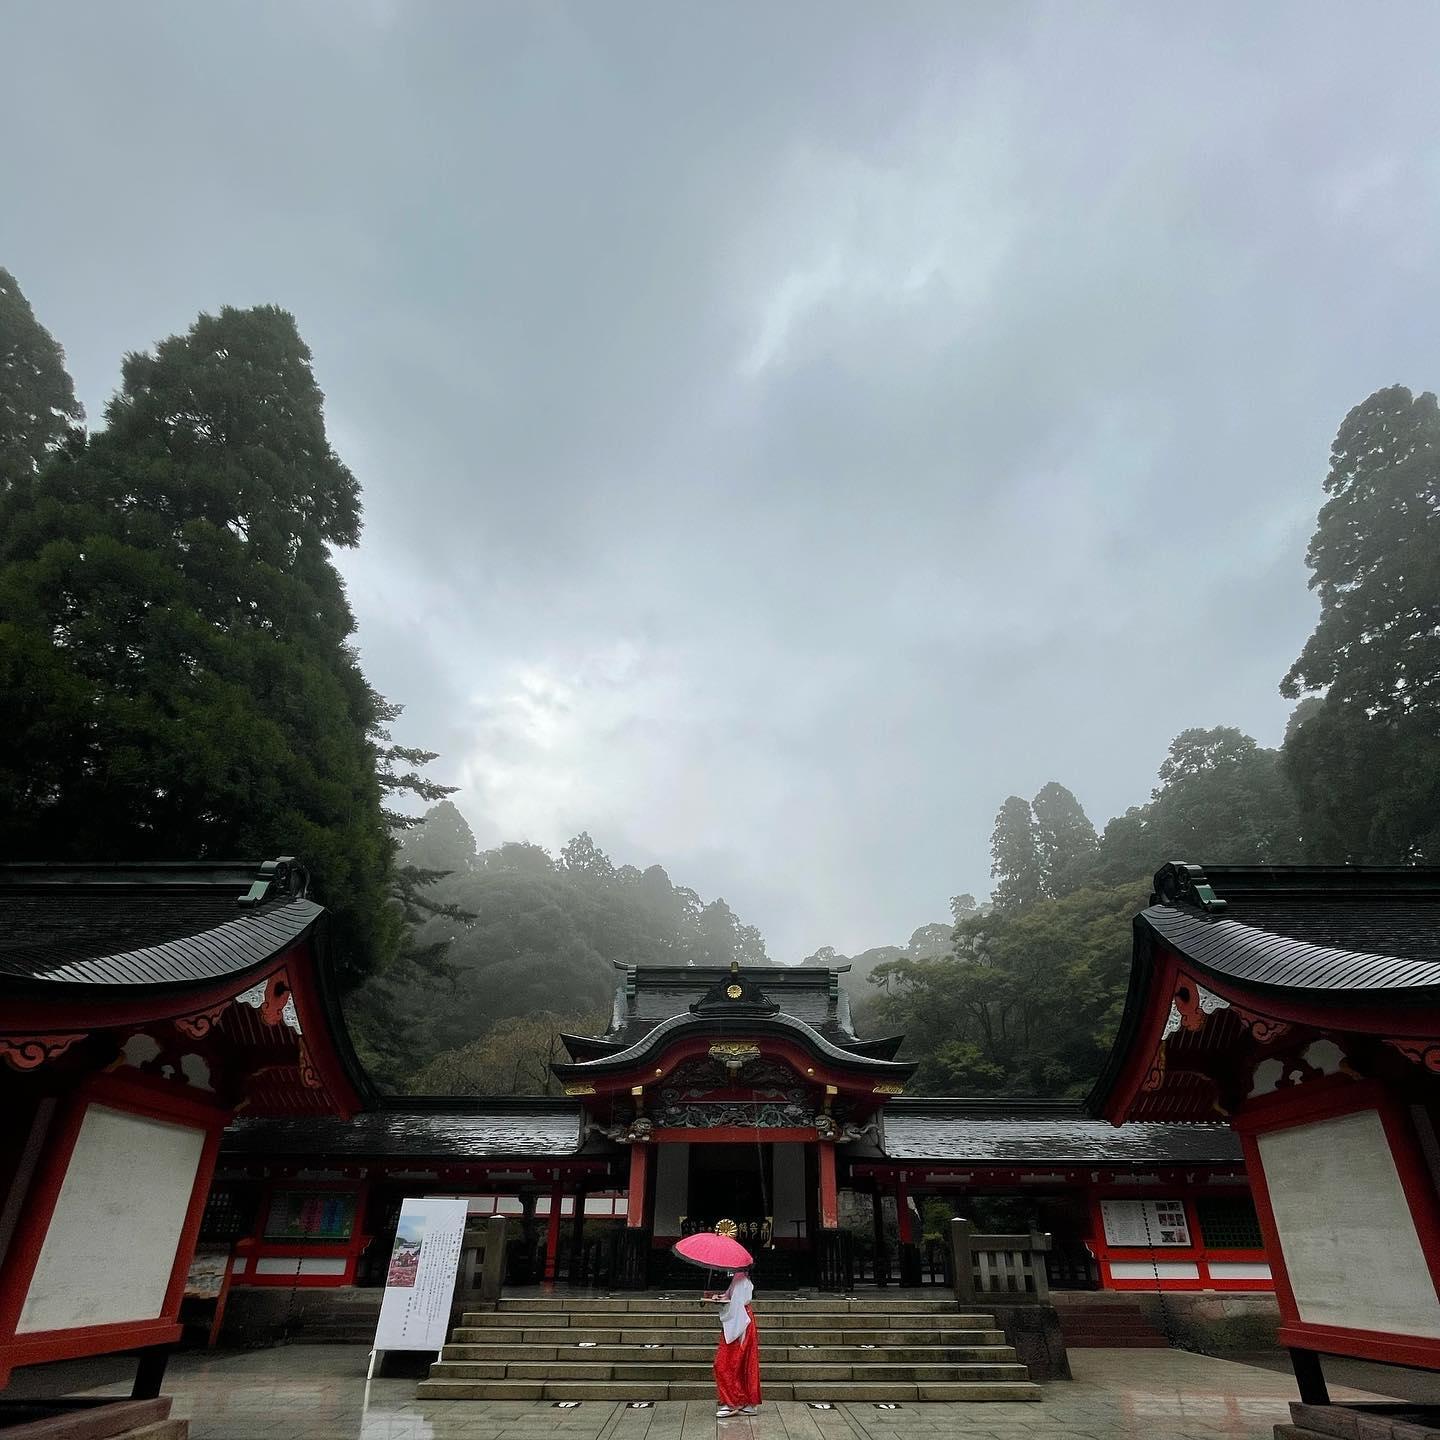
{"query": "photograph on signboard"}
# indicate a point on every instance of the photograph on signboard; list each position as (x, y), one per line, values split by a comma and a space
(405, 1257)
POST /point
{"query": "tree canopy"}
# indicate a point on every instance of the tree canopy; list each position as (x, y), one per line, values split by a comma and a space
(175, 657)
(39, 413)
(1365, 760)
(529, 934)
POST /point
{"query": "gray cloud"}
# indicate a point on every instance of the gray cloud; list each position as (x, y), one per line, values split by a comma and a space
(785, 430)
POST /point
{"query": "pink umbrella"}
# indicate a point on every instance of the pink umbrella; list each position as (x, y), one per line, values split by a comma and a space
(714, 1252)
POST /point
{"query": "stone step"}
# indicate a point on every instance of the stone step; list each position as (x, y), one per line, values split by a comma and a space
(702, 1354)
(972, 1391)
(867, 1318)
(641, 1373)
(654, 1303)
(1112, 1342)
(706, 1335)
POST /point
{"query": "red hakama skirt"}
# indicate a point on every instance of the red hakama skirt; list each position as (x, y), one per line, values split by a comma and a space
(737, 1367)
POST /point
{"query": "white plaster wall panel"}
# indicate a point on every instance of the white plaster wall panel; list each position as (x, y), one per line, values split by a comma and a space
(1237, 1270)
(1345, 1228)
(110, 1249)
(322, 1265)
(1164, 1270)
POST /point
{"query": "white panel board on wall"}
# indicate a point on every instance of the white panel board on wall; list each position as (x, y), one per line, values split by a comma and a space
(1145, 1224)
(110, 1248)
(1345, 1229)
(1154, 1270)
(1238, 1270)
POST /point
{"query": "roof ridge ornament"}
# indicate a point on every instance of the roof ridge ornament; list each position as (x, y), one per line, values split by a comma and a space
(735, 993)
(282, 876)
(1178, 883)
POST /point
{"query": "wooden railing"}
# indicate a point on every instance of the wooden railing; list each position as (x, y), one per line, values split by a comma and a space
(998, 1266)
(834, 1261)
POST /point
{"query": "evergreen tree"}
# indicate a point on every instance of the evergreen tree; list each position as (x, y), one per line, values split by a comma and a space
(582, 856)
(1222, 799)
(1065, 839)
(175, 658)
(1015, 856)
(1365, 764)
(443, 841)
(39, 413)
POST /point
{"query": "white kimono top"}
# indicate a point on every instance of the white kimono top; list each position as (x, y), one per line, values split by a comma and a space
(734, 1319)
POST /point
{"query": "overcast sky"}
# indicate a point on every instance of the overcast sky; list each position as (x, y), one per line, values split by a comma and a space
(786, 429)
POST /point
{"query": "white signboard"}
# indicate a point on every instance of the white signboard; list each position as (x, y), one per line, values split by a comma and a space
(1345, 1228)
(420, 1284)
(1145, 1224)
(111, 1246)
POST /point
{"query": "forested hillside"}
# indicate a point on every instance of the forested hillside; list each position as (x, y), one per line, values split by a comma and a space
(526, 935)
(1027, 998)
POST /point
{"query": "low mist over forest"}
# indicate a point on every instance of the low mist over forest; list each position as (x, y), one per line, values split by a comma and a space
(1021, 994)
(179, 681)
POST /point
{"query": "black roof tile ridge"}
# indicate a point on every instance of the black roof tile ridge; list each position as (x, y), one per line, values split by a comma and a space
(472, 1104)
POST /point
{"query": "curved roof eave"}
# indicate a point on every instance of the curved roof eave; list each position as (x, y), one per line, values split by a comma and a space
(250, 940)
(1274, 964)
(667, 1030)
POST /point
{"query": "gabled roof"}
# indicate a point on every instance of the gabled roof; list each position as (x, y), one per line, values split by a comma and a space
(809, 999)
(647, 995)
(1342, 947)
(420, 1128)
(1005, 1131)
(661, 1037)
(225, 954)
(134, 926)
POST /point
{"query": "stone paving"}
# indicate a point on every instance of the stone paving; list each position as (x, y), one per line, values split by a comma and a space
(319, 1392)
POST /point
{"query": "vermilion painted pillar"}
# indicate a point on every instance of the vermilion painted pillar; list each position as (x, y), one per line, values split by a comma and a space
(635, 1203)
(829, 1206)
(552, 1230)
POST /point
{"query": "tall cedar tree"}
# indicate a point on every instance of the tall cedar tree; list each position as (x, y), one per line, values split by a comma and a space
(1065, 838)
(1366, 763)
(1015, 856)
(38, 410)
(175, 658)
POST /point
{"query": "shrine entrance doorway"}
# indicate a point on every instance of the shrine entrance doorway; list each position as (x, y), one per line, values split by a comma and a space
(733, 1182)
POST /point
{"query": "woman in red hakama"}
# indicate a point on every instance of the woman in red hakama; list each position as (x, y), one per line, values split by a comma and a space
(737, 1357)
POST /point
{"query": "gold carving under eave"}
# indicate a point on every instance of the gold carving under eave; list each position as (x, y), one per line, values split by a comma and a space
(888, 1089)
(579, 1089)
(734, 991)
(734, 1050)
(727, 1228)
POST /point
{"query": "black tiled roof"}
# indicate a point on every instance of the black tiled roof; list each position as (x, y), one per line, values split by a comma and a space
(783, 1026)
(649, 995)
(1341, 930)
(142, 926)
(1259, 956)
(1021, 1132)
(421, 1128)
(1342, 935)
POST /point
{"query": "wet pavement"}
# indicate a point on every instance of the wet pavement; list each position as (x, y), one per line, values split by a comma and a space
(319, 1392)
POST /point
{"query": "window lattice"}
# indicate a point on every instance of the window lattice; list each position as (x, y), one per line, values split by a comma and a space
(229, 1213)
(1229, 1223)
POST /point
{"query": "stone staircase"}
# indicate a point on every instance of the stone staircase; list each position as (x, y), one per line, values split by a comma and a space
(660, 1348)
(1091, 1321)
